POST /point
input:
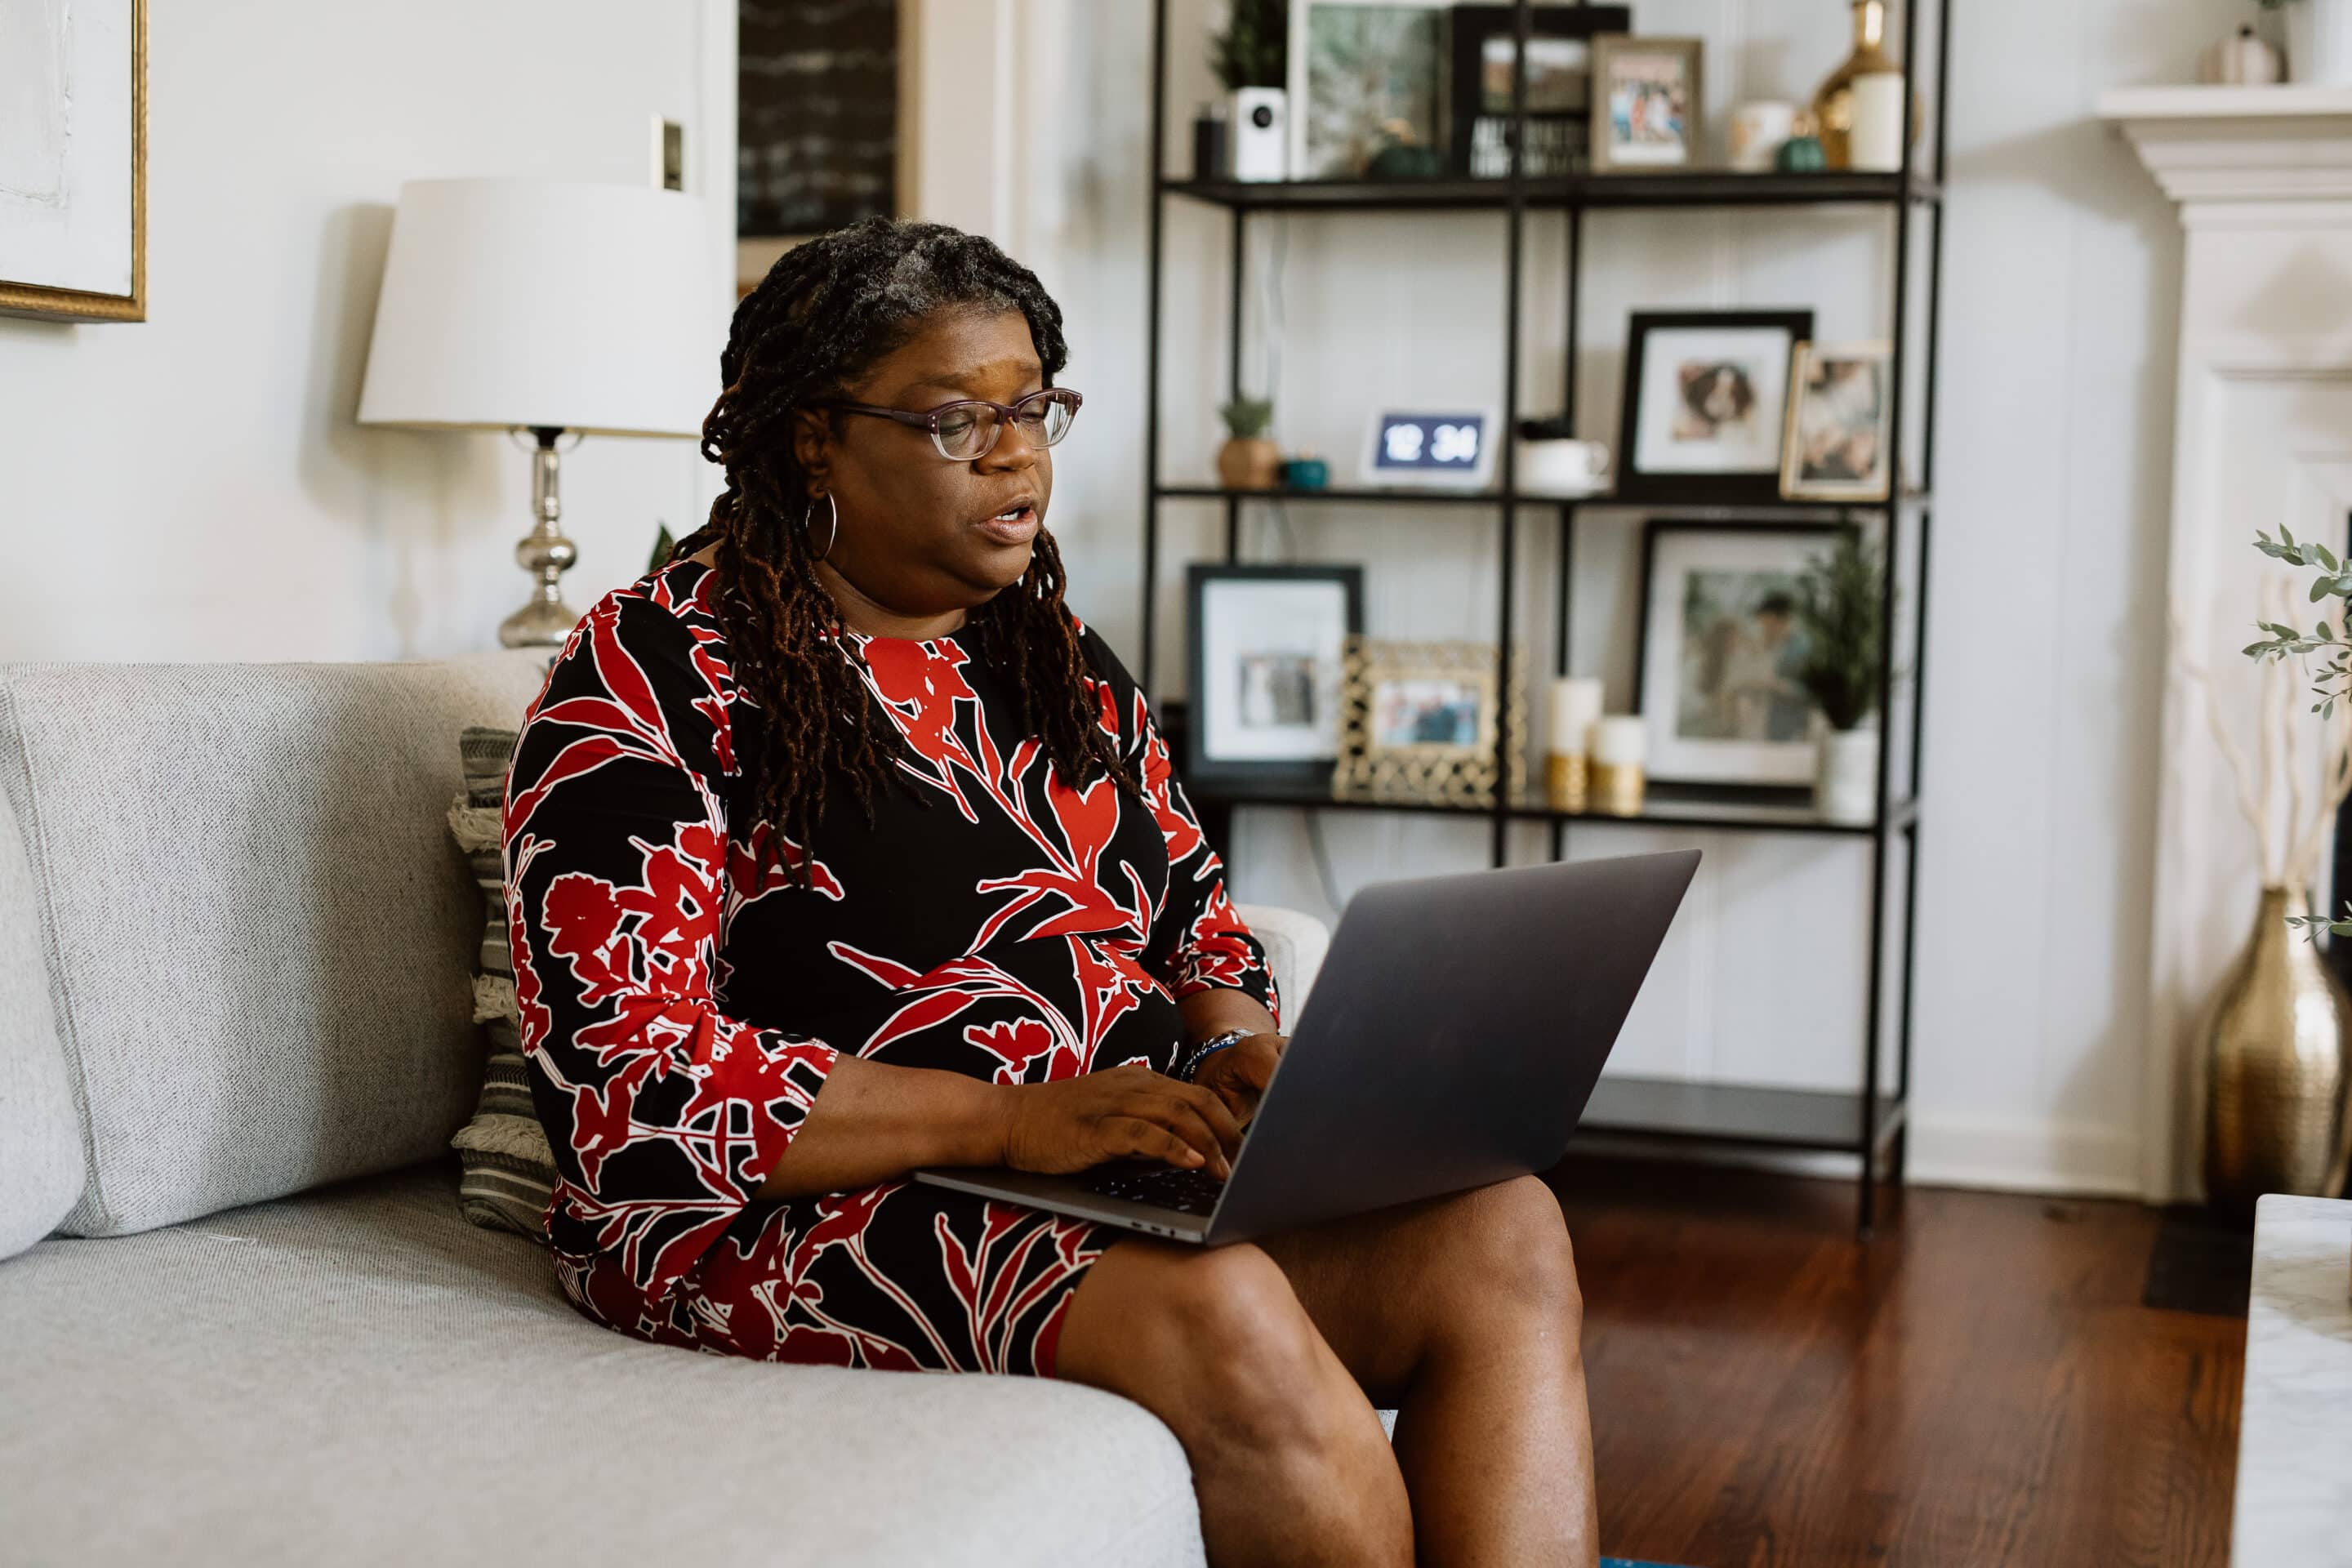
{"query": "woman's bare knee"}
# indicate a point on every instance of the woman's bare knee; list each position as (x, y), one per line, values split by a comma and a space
(1212, 1341)
(1508, 1247)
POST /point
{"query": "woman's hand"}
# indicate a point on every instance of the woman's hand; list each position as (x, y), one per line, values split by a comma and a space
(1118, 1113)
(1238, 1075)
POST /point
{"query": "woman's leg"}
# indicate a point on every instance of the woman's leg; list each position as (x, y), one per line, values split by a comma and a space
(1464, 1313)
(1287, 1455)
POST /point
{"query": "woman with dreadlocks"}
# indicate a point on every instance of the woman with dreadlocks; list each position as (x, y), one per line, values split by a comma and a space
(839, 846)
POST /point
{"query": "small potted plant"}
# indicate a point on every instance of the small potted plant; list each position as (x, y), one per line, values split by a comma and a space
(1838, 612)
(1249, 460)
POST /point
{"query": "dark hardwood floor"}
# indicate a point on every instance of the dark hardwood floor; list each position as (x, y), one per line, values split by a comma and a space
(1978, 1386)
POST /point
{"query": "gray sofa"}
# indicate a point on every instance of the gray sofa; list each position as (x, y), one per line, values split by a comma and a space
(242, 1319)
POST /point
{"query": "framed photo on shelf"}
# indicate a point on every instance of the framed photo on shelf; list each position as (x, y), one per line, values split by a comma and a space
(1560, 86)
(1837, 446)
(1268, 654)
(1363, 74)
(1719, 650)
(73, 153)
(1706, 404)
(1418, 723)
(1647, 107)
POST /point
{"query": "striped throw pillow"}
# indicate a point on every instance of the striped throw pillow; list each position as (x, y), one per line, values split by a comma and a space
(508, 1174)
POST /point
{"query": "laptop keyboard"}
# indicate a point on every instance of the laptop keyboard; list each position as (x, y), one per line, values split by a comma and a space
(1162, 1186)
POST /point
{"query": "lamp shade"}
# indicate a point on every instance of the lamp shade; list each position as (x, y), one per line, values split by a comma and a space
(512, 302)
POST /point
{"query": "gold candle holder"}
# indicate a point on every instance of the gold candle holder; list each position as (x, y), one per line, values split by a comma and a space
(1617, 788)
(1565, 777)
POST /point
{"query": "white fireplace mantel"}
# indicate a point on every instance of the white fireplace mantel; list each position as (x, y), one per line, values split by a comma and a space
(2236, 145)
(2261, 438)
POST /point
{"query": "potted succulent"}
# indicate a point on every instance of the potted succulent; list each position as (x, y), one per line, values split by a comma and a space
(1249, 460)
(2318, 40)
(1838, 612)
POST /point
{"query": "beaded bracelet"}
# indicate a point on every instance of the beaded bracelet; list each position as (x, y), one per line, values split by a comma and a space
(1207, 1048)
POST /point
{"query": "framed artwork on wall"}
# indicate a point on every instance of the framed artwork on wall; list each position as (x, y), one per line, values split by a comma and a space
(1719, 650)
(1705, 404)
(73, 160)
(1268, 649)
(1838, 447)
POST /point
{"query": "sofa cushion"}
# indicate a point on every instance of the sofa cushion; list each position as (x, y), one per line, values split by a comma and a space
(509, 1172)
(261, 931)
(41, 1167)
(359, 1376)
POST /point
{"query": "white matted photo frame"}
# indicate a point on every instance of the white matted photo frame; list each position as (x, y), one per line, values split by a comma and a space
(73, 164)
(1837, 446)
(1719, 650)
(1418, 722)
(1648, 103)
(1267, 663)
(1705, 404)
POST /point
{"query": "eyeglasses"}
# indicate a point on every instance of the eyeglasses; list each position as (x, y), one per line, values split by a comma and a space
(966, 430)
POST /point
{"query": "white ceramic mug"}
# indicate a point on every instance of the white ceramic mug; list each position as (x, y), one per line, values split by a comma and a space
(1561, 467)
(1756, 131)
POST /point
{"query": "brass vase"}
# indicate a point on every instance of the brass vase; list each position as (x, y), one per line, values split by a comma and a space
(2275, 1068)
(1833, 106)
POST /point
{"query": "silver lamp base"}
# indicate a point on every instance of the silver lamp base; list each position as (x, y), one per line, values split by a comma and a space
(546, 621)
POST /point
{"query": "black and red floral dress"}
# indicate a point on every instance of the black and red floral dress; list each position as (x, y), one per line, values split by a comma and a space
(682, 999)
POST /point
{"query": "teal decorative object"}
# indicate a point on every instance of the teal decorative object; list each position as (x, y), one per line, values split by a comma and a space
(1800, 155)
(1405, 161)
(1306, 472)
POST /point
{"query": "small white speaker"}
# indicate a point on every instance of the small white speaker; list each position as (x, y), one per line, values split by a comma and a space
(1260, 132)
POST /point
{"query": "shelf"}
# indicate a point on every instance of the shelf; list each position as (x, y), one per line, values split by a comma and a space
(1736, 1113)
(1451, 495)
(1778, 811)
(1680, 188)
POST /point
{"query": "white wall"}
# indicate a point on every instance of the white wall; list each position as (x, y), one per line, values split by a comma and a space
(2061, 283)
(192, 486)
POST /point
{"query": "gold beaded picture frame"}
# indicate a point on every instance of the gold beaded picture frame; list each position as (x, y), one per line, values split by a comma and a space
(1417, 722)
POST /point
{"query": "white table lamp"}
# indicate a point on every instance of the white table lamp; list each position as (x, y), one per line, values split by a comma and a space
(546, 306)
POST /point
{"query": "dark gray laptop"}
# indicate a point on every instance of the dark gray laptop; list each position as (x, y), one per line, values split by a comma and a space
(1455, 1033)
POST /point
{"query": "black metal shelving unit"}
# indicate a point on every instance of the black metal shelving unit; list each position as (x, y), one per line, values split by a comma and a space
(1871, 1120)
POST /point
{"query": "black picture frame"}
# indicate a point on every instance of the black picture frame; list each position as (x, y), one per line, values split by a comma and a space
(1744, 488)
(1659, 771)
(1211, 774)
(1557, 143)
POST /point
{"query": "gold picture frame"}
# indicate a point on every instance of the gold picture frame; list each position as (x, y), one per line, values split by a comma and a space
(47, 302)
(1417, 722)
(1826, 423)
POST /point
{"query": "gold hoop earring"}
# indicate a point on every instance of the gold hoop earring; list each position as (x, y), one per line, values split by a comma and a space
(833, 508)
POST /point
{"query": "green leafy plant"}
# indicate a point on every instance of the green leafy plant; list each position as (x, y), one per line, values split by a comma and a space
(663, 547)
(1255, 48)
(2331, 683)
(1839, 610)
(1246, 418)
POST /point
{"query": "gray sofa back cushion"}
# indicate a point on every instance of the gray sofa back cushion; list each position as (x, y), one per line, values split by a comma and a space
(261, 935)
(41, 1138)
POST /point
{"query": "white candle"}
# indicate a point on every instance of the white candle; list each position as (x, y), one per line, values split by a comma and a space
(1876, 140)
(1575, 704)
(1621, 741)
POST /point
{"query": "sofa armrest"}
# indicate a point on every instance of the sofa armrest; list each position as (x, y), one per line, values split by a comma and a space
(1295, 944)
